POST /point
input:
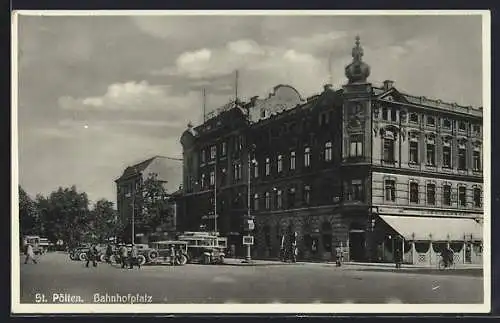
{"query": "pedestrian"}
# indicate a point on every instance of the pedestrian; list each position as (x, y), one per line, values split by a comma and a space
(92, 256)
(30, 254)
(133, 257)
(397, 258)
(338, 256)
(172, 255)
(109, 253)
(123, 255)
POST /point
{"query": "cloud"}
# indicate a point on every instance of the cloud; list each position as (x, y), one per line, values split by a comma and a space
(245, 46)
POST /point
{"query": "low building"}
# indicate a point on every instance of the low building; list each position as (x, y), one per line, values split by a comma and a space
(131, 196)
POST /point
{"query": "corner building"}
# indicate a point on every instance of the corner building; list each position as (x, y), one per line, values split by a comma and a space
(367, 168)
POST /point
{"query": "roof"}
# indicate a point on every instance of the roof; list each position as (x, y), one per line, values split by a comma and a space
(138, 168)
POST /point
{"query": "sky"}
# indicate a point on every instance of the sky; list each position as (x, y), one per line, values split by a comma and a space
(99, 93)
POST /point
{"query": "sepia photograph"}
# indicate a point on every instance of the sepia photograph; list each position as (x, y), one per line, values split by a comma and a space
(251, 162)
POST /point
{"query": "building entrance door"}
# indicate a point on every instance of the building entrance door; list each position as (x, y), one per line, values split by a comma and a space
(357, 245)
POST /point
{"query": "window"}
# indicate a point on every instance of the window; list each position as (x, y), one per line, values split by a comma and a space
(307, 157)
(280, 163)
(431, 121)
(356, 146)
(203, 181)
(262, 113)
(461, 157)
(384, 113)
(414, 152)
(355, 190)
(446, 123)
(390, 190)
(268, 166)
(279, 199)
(224, 149)
(212, 178)
(389, 150)
(431, 153)
(268, 200)
(237, 171)
(255, 169)
(307, 195)
(446, 154)
(292, 160)
(393, 114)
(256, 202)
(213, 152)
(223, 176)
(291, 197)
(328, 151)
(462, 199)
(447, 195)
(462, 126)
(413, 192)
(477, 197)
(476, 129)
(202, 156)
(476, 159)
(431, 194)
(413, 118)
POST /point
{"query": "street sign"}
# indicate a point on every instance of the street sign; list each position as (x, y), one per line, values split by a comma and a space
(248, 240)
(249, 225)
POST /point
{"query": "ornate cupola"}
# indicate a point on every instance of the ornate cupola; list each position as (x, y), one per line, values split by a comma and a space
(357, 71)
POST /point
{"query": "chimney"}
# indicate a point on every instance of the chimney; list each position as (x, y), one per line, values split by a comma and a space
(327, 87)
(388, 84)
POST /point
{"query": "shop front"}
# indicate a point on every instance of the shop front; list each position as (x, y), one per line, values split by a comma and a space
(421, 239)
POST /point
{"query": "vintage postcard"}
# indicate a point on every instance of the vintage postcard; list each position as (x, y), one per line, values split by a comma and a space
(251, 162)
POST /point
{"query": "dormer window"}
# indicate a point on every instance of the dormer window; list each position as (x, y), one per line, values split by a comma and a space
(413, 118)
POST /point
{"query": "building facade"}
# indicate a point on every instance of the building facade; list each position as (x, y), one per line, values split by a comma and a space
(130, 196)
(366, 168)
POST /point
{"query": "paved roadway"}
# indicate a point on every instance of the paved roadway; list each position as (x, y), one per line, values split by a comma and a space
(284, 283)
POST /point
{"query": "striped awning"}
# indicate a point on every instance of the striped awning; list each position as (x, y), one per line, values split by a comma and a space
(435, 229)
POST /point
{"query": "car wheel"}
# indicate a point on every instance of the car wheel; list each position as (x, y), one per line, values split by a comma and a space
(182, 260)
(141, 260)
(82, 256)
(153, 254)
(102, 258)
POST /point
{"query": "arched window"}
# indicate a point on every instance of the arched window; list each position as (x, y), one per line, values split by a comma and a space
(328, 151)
(280, 163)
(292, 160)
(307, 157)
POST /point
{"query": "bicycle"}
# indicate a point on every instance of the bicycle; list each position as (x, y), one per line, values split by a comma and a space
(442, 264)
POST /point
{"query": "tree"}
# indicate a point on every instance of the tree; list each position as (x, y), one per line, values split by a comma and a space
(156, 206)
(104, 219)
(28, 218)
(65, 215)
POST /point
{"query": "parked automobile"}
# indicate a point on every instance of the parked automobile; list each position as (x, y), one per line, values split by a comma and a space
(204, 247)
(79, 253)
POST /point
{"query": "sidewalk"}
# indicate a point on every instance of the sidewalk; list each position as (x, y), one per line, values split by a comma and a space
(345, 265)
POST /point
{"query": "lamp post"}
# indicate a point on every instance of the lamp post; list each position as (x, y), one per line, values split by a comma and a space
(249, 224)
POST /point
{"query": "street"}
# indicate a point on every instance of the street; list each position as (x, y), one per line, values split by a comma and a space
(57, 279)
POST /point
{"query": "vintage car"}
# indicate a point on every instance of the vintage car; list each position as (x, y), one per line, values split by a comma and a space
(143, 252)
(79, 253)
(204, 247)
(169, 252)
